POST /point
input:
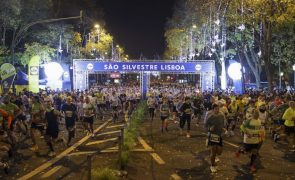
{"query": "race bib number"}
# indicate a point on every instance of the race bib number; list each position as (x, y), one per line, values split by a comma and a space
(69, 114)
(214, 138)
(188, 111)
(256, 135)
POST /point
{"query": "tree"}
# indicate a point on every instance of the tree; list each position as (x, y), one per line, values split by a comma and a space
(45, 52)
(269, 15)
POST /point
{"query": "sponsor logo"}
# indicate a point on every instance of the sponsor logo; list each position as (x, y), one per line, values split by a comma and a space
(198, 67)
(66, 74)
(34, 70)
(89, 66)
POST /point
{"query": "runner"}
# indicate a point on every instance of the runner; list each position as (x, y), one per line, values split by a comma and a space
(253, 135)
(51, 118)
(186, 110)
(70, 113)
(198, 106)
(215, 123)
(151, 102)
(13, 111)
(37, 114)
(89, 112)
(114, 100)
(233, 110)
(100, 103)
(289, 117)
(164, 114)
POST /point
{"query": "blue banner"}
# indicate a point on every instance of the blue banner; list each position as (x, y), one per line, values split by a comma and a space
(191, 67)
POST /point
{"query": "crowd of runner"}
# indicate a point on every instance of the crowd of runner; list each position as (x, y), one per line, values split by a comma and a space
(251, 114)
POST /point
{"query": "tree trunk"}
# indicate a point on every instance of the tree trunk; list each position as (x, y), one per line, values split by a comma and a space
(254, 65)
(12, 46)
(266, 52)
(3, 35)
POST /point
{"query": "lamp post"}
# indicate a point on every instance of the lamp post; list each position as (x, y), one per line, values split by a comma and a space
(294, 76)
(281, 75)
(96, 26)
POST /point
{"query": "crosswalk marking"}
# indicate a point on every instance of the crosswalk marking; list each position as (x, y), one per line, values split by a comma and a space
(107, 133)
(115, 126)
(52, 171)
(101, 141)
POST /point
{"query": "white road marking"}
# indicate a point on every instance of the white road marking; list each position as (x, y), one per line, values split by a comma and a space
(101, 141)
(109, 151)
(82, 153)
(157, 158)
(176, 177)
(142, 150)
(115, 126)
(144, 144)
(51, 171)
(61, 155)
(107, 133)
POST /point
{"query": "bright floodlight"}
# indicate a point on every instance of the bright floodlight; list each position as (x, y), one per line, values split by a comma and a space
(53, 70)
(234, 71)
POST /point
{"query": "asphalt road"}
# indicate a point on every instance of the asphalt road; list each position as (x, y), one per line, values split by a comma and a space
(188, 158)
(69, 161)
(173, 157)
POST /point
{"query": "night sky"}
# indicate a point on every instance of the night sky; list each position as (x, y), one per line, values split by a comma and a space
(138, 25)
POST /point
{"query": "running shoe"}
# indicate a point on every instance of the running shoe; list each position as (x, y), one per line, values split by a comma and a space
(34, 148)
(213, 169)
(188, 135)
(51, 154)
(253, 168)
(276, 138)
(6, 168)
(231, 133)
(217, 159)
(10, 153)
(226, 133)
(237, 154)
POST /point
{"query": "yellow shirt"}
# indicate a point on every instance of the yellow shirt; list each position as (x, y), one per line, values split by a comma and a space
(241, 105)
(288, 116)
(260, 103)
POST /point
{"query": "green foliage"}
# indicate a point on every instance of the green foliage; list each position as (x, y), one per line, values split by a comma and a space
(124, 158)
(3, 54)
(45, 52)
(104, 174)
(131, 132)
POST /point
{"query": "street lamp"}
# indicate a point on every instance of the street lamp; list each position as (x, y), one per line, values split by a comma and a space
(96, 26)
(281, 75)
(294, 75)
